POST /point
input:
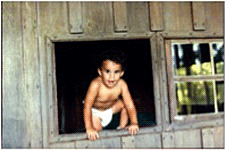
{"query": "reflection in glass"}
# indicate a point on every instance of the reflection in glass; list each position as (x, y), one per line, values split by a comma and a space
(194, 97)
(218, 54)
(191, 59)
(220, 95)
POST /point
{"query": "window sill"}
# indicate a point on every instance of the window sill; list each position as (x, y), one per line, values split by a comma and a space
(102, 134)
(196, 121)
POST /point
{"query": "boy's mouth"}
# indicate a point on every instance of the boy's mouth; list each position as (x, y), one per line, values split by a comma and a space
(111, 82)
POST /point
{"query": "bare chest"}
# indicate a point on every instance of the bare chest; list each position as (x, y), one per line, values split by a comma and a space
(105, 95)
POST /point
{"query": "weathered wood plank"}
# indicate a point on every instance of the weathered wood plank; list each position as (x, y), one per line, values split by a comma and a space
(128, 142)
(163, 82)
(199, 18)
(120, 16)
(75, 17)
(168, 140)
(64, 145)
(156, 16)
(31, 72)
(100, 143)
(138, 17)
(97, 17)
(52, 21)
(214, 16)
(111, 143)
(187, 139)
(53, 18)
(177, 16)
(213, 137)
(148, 141)
(155, 70)
(13, 104)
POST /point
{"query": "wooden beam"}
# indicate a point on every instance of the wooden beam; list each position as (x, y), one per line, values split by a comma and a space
(75, 17)
(120, 16)
(31, 72)
(198, 13)
(156, 16)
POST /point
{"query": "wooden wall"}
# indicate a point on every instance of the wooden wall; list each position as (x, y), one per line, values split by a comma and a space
(25, 26)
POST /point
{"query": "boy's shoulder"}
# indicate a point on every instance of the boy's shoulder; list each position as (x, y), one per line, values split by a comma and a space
(96, 81)
(122, 82)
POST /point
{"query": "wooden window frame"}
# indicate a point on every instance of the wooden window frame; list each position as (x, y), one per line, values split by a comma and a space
(174, 121)
(51, 124)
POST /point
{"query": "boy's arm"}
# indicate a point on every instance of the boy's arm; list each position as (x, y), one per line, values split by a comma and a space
(133, 128)
(88, 103)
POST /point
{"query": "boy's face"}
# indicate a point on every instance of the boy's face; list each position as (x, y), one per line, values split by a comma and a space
(110, 72)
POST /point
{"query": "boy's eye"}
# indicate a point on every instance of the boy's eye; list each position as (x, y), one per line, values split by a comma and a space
(107, 71)
(117, 71)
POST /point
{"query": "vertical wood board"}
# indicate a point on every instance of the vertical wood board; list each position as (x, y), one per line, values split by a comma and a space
(177, 16)
(52, 21)
(148, 141)
(31, 72)
(156, 16)
(214, 16)
(199, 18)
(53, 18)
(120, 16)
(13, 104)
(97, 17)
(138, 17)
(155, 70)
(168, 140)
(163, 82)
(188, 139)
(64, 145)
(75, 17)
(128, 142)
(100, 143)
(213, 137)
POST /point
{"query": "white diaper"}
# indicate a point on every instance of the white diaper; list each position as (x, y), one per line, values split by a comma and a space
(105, 116)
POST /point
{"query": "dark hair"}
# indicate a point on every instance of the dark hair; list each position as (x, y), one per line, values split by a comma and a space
(116, 56)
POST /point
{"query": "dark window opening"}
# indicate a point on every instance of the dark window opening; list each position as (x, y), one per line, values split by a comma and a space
(75, 69)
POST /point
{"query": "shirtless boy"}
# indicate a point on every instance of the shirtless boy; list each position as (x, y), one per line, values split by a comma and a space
(102, 98)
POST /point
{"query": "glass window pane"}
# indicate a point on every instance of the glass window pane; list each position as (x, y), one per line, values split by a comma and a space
(191, 59)
(218, 55)
(220, 95)
(194, 97)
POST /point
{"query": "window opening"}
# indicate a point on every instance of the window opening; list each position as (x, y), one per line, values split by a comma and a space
(75, 68)
(198, 69)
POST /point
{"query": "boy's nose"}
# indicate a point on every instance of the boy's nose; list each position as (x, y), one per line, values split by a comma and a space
(112, 76)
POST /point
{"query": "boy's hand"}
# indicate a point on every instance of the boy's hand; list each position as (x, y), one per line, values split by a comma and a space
(92, 134)
(133, 129)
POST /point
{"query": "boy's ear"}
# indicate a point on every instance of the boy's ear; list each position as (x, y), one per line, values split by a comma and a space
(122, 73)
(99, 72)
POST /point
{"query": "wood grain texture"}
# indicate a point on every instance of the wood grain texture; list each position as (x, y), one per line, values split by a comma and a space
(148, 141)
(128, 142)
(168, 140)
(120, 16)
(199, 18)
(187, 139)
(156, 16)
(177, 16)
(213, 137)
(97, 18)
(214, 17)
(100, 143)
(31, 73)
(13, 102)
(138, 17)
(75, 17)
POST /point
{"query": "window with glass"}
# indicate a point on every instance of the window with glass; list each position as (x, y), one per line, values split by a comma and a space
(196, 71)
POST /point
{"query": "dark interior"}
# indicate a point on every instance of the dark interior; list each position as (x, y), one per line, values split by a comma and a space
(75, 68)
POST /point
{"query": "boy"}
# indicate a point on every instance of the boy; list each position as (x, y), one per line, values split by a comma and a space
(102, 98)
